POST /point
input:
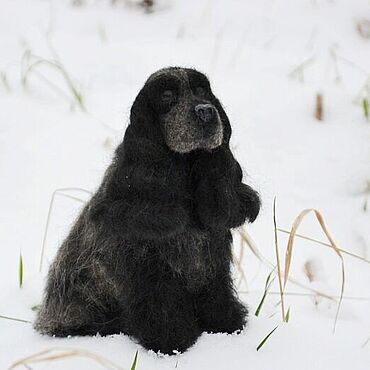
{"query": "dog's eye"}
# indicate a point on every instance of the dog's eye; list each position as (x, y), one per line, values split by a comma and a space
(167, 97)
(200, 91)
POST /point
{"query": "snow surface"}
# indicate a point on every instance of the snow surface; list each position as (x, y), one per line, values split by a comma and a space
(249, 49)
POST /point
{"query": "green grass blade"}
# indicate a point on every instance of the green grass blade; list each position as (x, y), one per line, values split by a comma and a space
(4, 80)
(266, 338)
(287, 316)
(133, 366)
(20, 271)
(365, 106)
(261, 304)
(267, 286)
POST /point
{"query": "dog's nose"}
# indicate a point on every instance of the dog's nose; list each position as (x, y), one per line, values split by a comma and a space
(205, 112)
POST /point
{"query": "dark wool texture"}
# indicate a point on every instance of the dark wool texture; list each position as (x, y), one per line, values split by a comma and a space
(150, 254)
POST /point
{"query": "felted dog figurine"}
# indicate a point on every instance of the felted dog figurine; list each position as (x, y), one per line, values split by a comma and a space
(150, 254)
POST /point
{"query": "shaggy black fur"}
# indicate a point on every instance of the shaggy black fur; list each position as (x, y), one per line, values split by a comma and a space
(150, 254)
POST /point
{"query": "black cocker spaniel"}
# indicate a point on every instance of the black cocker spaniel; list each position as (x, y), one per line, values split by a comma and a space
(150, 254)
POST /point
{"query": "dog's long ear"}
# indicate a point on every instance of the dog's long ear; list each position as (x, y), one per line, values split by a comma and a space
(143, 138)
(142, 192)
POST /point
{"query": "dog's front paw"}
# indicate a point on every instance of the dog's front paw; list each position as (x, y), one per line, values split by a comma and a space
(252, 202)
(232, 319)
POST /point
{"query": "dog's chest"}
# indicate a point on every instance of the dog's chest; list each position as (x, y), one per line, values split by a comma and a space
(191, 257)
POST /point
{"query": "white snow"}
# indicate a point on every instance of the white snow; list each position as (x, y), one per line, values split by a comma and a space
(248, 49)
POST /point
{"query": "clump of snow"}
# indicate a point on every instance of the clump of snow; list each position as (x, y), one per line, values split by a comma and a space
(267, 60)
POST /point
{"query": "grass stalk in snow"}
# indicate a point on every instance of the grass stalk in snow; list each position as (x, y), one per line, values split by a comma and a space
(238, 263)
(300, 69)
(240, 270)
(319, 107)
(55, 354)
(334, 57)
(290, 245)
(264, 340)
(334, 298)
(253, 247)
(268, 283)
(5, 82)
(287, 316)
(249, 242)
(365, 107)
(315, 291)
(133, 366)
(326, 245)
(367, 341)
(32, 64)
(55, 193)
(14, 319)
(20, 271)
(278, 264)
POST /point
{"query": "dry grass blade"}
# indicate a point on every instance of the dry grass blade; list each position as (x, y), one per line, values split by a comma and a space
(256, 252)
(334, 298)
(326, 245)
(363, 28)
(241, 251)
(252, 246)
(278, 265)
(239, 264)
(56, 192)
(14, 319)
(297, 294)
(55, 354)
(289, 250)
(315, 291)
(245, 239)
(240, 269)
(319, 107)
(300, 69)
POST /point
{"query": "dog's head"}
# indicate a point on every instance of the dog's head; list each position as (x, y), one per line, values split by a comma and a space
(184, 110)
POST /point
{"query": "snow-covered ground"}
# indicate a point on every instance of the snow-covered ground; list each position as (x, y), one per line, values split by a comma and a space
(267, 60)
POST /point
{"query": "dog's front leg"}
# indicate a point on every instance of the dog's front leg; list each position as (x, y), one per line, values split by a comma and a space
(221, 199)
(160, 312)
